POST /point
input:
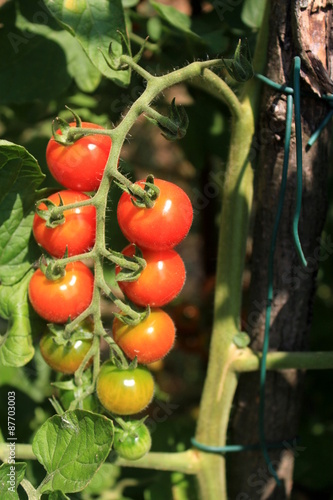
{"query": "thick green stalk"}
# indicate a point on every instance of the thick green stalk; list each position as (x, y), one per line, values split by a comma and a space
(248, 361)
(221, 380)
(221, 383)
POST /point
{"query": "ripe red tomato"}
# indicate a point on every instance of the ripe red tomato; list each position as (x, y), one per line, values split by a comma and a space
(160, 281)
(66, 358)
(150, 340)
(79, 166)
(124, 392)
(161, 227)
(67, 297)
(78, 231)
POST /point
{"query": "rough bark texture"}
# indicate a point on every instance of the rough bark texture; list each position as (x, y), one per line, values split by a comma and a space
(304, 29)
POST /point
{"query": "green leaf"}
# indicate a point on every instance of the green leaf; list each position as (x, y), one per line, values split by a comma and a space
(31, 66)
(104, 479)
(16, 347)
(175, 18)
(58, 495)
(20, 175)
(95, 24)
(87, 77)
(252, 13)
(72, 447)
(7, 472)
(129, 3)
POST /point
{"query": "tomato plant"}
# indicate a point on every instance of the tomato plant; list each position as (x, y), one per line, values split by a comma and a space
(160, 281)
(79, 166)
(150, 340)
(124, 391)
(58, 300)
(133, 441)
(76, 233)
(161, 227)
(67, 356)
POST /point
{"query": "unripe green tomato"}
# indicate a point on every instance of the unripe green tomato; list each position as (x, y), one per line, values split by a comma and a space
(132, 445)
(88, 403)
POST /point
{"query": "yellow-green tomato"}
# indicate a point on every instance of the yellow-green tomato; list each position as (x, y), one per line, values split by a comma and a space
(124, 391)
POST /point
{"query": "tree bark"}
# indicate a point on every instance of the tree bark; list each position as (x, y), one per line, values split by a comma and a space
(297, 27)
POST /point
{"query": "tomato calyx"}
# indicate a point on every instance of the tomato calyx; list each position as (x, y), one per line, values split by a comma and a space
(173, 127)
(51, 268)
(74, 393)
(240, 67)
(129, 426)
(131, 266)
(142, 198)
(84, 331)
(130, 314)
(52, 217)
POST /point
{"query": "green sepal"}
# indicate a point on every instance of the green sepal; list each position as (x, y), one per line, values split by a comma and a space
(130, 319)
(64, 385)
(121, 260)
(78, 121)
(240, 67)
(151, 193)
(51, 268)
(179, 118)
(137, 56)
(47, 215)
(129, 425)
(241, 340)
(69, 135)
(133, 364)
(127, 274)
(81, 332)
(56, 405)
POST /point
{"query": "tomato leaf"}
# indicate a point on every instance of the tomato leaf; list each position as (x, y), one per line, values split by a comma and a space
(16, 347)
(252, 13)
(58, 495)
(31, 67)
(9, 491)
(95, 25)
(87, 77)
(20, 175)
(175, 18)
(72, 447)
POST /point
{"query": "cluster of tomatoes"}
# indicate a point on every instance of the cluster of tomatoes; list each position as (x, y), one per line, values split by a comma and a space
(58, 299)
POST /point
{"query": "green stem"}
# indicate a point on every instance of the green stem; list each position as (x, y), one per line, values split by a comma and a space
(153, 47)
(248, 361)
(22, 452)
(32, 493)
(187, 462)
(221, 381)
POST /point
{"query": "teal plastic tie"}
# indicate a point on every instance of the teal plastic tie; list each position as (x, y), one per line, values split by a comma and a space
(263, 368)
(298, 128)
(234, 448)
(320, 128)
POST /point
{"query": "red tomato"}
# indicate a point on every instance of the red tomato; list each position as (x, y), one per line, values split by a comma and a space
(160, 281)
(78, 231)
(66, 358)
(161, 227)
(67, 297)
(124, 392)
(79, 166)
(150, 340)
